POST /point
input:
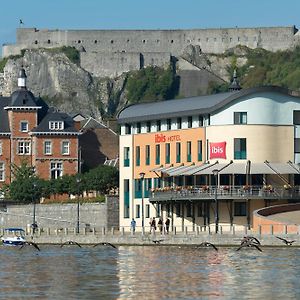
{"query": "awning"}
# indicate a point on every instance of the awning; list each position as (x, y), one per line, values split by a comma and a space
(283, 168)
(235, 168)
(172, 170)
(180, 171)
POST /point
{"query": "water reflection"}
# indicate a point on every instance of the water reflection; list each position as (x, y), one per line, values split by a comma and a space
(151, 272)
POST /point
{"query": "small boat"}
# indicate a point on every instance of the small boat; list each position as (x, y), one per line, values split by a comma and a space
(13, 237)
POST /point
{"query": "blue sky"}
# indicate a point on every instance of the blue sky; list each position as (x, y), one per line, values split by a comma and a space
(144, 14)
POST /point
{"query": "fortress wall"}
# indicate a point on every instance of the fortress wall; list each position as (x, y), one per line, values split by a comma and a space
(109, 64)
(171, 41)
(156, 59)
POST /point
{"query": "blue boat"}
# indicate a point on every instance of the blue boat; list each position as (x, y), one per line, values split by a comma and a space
(13, 237)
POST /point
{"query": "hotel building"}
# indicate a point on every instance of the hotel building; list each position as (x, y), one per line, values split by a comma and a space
(209, 160)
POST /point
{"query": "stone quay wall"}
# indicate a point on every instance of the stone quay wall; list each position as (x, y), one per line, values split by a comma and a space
(115, 51)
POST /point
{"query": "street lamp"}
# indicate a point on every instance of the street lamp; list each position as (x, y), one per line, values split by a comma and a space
(142, 176)
(215, 172)
(78, 180)
(34, 225)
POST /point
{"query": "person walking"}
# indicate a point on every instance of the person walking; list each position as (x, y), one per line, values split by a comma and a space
(167, 223)
(153, 225)
(133, 225)
(160, 225)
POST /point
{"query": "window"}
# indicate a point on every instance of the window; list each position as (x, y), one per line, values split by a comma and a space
(296, 117)
(127, 129)
(240, 118)
(56, 125)
(179, 122)
(147, 210)
(178, 152)
(24, 126)
(190, 122)
(24, 148)
(1, 146)
(240, 149)
(138, 127)
(47, 147)
(199, 150)
(297, 145)
(240, 209)
(138, 188)
(126, 156)
(157, 182)
(169, 210)
(200, 121)
(56, 169)
(65, 148)
(178, 210)
(147, 155)
(137, 156)
(126, 198)
(2, 171)
(208, 120)
(189, 151)
(168, 124)
(168, 153)
(148, 125)
(158, 210)
(137, 211)
(158, 125)
(157, 154)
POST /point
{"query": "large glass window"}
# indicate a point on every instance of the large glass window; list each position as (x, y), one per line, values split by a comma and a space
(126, 198)
(240, 117)
(24, 148)
(199, 150)
(137, 155)
(47, 147)
(56, 169)
(189, 151)
(297, 145)
(178, 152)
(147, 155)
(240, 149)
(296, 117)
(138, 188)
(126, 156)
(168, 153)
(127, 129)
(157, 154)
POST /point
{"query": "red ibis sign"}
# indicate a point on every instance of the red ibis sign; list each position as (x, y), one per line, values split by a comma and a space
(217, 150)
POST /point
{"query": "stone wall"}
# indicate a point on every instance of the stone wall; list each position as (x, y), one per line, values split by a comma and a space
(62, 215)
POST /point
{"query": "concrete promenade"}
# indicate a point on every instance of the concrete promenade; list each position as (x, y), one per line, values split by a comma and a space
(91, 237)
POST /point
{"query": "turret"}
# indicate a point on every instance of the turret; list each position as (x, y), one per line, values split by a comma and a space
(22, 79)
(234, 85)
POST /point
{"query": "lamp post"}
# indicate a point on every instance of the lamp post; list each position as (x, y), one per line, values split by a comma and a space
(142, 176)
(34, 226)
(215, 172)
(78, 180)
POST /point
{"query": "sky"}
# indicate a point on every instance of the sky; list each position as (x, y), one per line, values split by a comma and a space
(144, 14)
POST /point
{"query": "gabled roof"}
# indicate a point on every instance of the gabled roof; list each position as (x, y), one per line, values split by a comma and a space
(190, 106)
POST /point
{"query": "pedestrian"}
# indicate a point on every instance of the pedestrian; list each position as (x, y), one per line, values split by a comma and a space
(133, 224)
(160, 225)
(153, 225)
(167, 223)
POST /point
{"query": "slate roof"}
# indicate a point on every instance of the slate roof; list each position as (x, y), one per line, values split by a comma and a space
(4, 126)
(22, 98)
(189, 106)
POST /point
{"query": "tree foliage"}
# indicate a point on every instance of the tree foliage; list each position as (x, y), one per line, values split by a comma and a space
(152, 83)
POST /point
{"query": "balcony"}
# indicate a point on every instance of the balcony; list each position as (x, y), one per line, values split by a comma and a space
(224, 192)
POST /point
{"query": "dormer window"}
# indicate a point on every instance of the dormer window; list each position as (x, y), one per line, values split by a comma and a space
(24, 126)
(56, 125)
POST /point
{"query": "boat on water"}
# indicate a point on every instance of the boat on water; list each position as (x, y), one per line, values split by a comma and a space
(13, 237)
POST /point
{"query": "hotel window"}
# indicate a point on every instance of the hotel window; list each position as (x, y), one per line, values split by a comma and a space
(126, 156)
(56, 125)
(179, 122)
(148, 125)
(137, 211)
(2, 171)
(168, 124)
(240, 209)
(24, 148)
(296, 117)
(157, 182)
(24, 126)
(65, 148)
(126, 198)
(127, 129)
(147, 187)
(240, 149)
(157, 154)
(190, 122)
(297, 145)
(147, 211)
(199, 150)
(240, 117)
(1, 148)
(56, 169)
(158, 210)
(158, 125)
(138, 127)
(137, 156)
(200, 121)
(168, 153)
(147, 149)
(178, 152)
(47, 147)
(189, 151)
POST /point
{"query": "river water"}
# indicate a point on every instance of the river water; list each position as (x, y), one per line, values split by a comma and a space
(149, 272)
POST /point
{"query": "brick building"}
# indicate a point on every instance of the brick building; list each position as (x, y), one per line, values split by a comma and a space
(31, 131)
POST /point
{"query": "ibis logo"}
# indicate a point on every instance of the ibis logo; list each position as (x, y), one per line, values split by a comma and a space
(217, 150)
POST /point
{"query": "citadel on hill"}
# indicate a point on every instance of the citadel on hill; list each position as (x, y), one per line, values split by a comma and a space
(113, 52)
